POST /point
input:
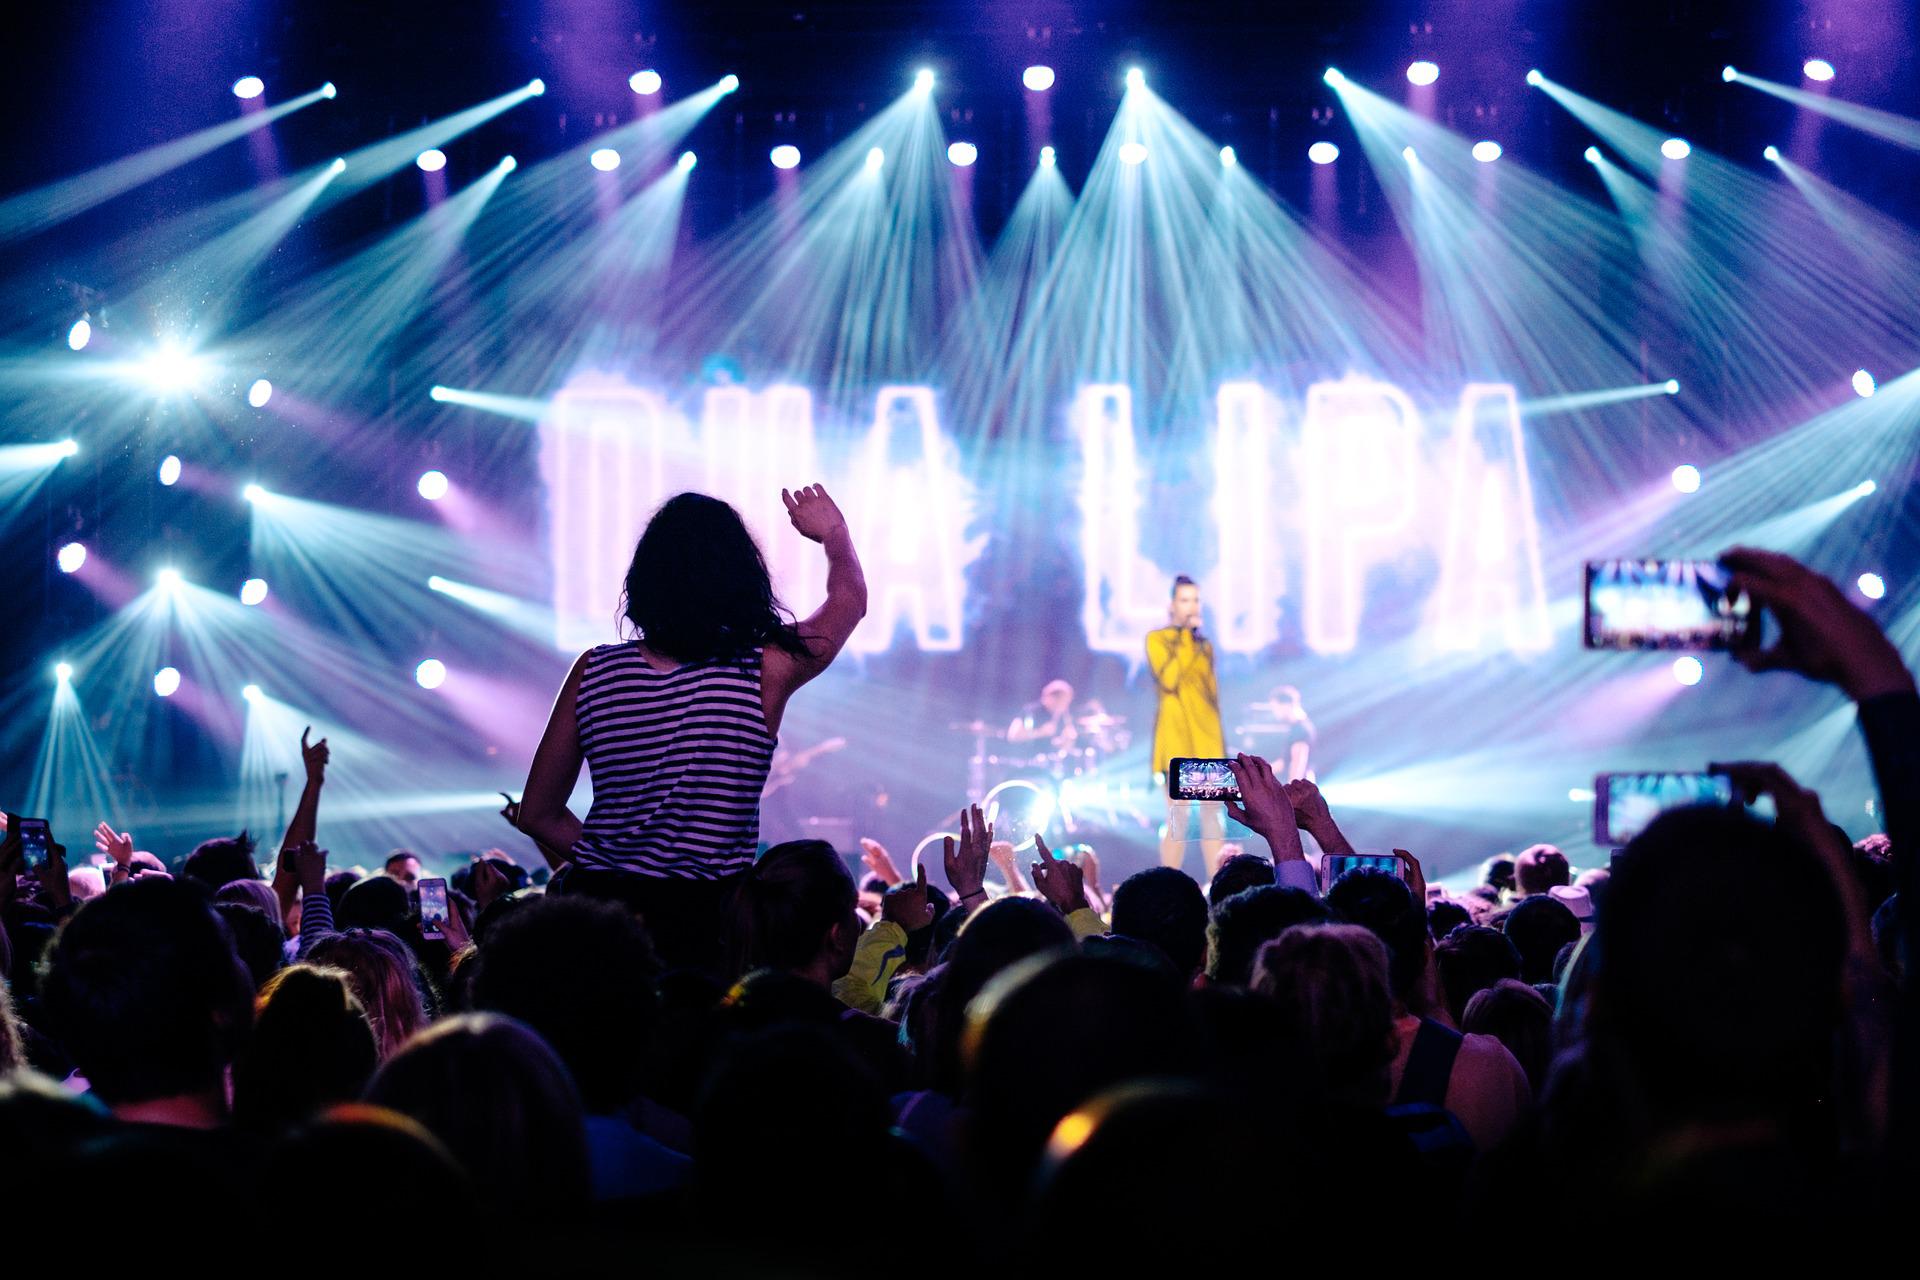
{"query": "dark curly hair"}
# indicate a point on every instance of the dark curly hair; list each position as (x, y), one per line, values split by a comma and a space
(698, 587)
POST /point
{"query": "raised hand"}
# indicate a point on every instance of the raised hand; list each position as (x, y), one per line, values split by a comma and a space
(967, 865)
(1310, 811)
(54, 885)
(1416, 878)
(909, 905)
(1823, 635)
(1059, 881)
(314, 757)
(1264, 807)
(1001, 852)
(486, 883)
(1089, 863)
(309, 862)
(879, 861)
(813, 512)
(117, 845)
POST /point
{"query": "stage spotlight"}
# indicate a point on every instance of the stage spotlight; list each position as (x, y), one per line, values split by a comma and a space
(71, 557)
(686, 161)
(248, 87)
(171, 368)
(432, 160)
(1422, 72)
(1686, 478)
(253, 493)
(69, 447)
(1535, 79)
(1676, 149)
(1486, 152)
(166, 682)
(644, 83)
(80, 335)
(875, 158)
(1136, 78)
(509, 164)
(259, 393)
(536, 86)
(1038, 79)
(729, 83)
(431, 674)
(1728, 74)
(170, 470)
(1409, 154)
(1687, 670)
(1133, 153)
(606, 159)
(432, 486)
(339, 165)
(1866, 488)
(1673, 387)
(168, 579)
(1863, 383)
(253, 591)
(962, 154)
(1872, 586)
(1771, 153)
(63, 671)
(250, 692)
(328, 91)
(1817, 69)
(1048, 156)
(437, 392)
(1323, 153)
(923, 80)
(1592, 154)
(785, 156)
(1227, 158)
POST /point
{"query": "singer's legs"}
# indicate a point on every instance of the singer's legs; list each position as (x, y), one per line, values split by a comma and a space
(1173, 836)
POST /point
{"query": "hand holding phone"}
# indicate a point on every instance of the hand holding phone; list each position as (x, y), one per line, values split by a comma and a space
(433, 908)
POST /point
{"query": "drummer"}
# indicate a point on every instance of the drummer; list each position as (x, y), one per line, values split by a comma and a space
(1051, 719)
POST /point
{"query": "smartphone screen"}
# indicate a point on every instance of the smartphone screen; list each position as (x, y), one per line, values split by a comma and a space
(36, 841)
(433, 908)
(1665, 604)
(1194, 778)
(1335, 865)
(1624, 803)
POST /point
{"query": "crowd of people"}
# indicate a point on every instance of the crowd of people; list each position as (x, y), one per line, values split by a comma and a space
(672, 1046)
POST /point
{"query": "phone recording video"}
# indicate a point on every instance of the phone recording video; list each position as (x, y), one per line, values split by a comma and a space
(36, 840)
(1335, 865)
(1666, 604)
(1625, 803)
(1196, 778)
(433, 908)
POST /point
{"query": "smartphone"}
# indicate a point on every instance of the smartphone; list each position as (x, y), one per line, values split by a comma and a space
(1624, 803)
(36, 840)
(433, 908)
(1666, 604)
(1195, 778)
(1335, 865)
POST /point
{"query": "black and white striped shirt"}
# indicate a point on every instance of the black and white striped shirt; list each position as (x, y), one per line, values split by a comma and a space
(678, 760)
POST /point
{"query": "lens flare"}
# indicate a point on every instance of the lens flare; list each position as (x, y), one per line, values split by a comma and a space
(247, 88)
(1037, 79)
(170, 470)
(1323, 153)
(605, 159)
(1817, 69)
(644, 83)
(433, 486)
(962, 154)
(1486, 152)
(71, 557)
(785, 156)
(80, 335)
(1422, 72)
(1676, 149)
(166, 682)
(1686, 478)
(1863, 383)
(431, 674)
(1872, 586)
(432, 160)
(1687, 670)
(253, 591)
(259, 393)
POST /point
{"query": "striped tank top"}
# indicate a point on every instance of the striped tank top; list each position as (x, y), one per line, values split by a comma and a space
(678, 760)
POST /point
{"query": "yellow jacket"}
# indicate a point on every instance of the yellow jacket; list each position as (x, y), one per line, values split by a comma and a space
(1188, 721)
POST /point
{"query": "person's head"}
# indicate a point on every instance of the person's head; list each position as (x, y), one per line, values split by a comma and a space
(501, 1101)
(257, 894)
(580, 973)
(215, 862)
(1539, 868)
(385, 979)
(1056, 696)
(1518, 1017)
(1247, 921)
(1286, 703)
(312, 1047)
(338, 1149)
(1497, 873)
(1053, 1031)
(86, 882)
(143, 990)
(375, 902)
(404, 865)
(1236, 874)
(698, 587)
(1538, 927)
(1184, 608)
(1708, 1008)
(994, 938)
(1380, 901)
(1330, 982)
(1165, 907)
(336, 885)
(1471, 959)
(1444, 915)
(793, 911)
(257, 940)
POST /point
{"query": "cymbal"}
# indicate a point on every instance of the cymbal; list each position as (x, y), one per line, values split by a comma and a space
(978, 727)
(1099, 720)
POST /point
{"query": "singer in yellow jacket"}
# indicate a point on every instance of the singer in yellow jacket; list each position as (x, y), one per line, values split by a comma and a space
(1187, 722)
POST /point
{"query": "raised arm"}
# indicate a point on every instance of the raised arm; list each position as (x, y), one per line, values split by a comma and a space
(556, 767)
(304, 826)
(1170, 651)
(826, 630)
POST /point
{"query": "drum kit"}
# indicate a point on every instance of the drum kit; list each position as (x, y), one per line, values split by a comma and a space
(1066, 785)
